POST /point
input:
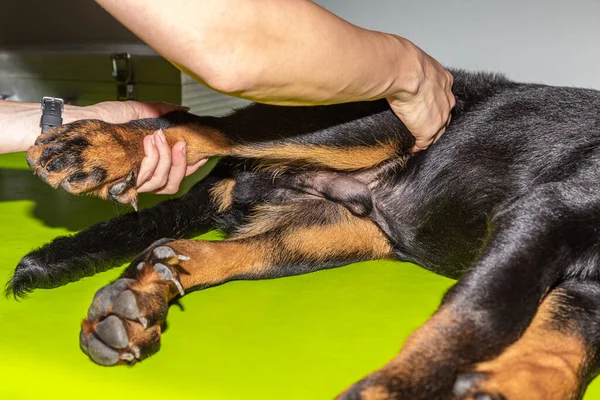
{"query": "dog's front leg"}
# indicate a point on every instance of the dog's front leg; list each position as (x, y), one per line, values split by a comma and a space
(495, 301)
(554, 359)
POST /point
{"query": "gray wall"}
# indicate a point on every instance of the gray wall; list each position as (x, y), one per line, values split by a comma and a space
(550, 41)
(59, 22)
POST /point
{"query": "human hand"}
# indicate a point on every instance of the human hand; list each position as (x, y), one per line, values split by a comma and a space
(426, 110)
(162, 168)
(117, 112)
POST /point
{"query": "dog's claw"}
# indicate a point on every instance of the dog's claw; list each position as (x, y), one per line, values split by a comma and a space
(130, 180)
(116, 189)
(136, 352)
(127, 357)
(143, 321)
(123, 192)
(165, 273)
(134, 204)
(465, 382)
(163, 252)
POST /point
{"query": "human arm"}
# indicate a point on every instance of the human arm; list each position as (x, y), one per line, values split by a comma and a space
(293, 53)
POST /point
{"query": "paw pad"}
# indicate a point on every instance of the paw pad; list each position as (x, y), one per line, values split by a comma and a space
(124, 320)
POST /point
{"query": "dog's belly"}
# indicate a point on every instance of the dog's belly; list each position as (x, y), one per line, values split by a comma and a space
(437, 211)
(441, 234)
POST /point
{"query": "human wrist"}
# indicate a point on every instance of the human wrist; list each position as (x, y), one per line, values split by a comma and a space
(409, 70)
(75, 113)
(19, 125)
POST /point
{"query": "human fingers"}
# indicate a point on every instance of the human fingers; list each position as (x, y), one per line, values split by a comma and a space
(177, 171)
(161, 172)
(149, 162)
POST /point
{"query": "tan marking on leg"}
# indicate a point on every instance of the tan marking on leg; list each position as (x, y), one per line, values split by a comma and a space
(206, 142)
(544, 364)
(340, 158)
(428, 348)
(222, 194)
(352, 235)
(194, 264)
(265, 218)
(337, 230)
(277, 239)
(375, 393)
(201, 141)
(215, 262)
(428, 345)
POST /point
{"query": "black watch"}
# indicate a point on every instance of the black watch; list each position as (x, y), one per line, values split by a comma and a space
(52, 108)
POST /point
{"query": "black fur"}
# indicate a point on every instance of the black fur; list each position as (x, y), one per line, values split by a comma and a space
(508, 200)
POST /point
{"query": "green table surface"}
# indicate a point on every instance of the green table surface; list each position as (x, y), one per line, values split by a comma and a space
(303, 337)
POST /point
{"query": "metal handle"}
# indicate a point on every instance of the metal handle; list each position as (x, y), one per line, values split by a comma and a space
(122, 71)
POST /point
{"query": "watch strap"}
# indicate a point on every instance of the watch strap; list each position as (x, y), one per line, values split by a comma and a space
(52, 108)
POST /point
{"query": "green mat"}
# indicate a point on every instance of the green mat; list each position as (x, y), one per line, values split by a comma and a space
(304, 337)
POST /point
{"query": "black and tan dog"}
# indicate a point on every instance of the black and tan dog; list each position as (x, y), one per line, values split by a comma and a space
(508, 202)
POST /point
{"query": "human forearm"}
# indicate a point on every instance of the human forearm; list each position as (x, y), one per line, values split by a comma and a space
(282, 52)
(20, 123)
(294, 53)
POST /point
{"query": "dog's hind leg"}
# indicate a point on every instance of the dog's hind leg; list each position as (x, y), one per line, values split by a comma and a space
(554, 359)
(97, 158)
(528, 252)
(124, 321)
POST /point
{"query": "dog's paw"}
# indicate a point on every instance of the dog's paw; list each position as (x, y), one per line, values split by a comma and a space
(126, 318)
(91, 157)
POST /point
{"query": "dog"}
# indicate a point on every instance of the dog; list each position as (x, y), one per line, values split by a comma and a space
(507, 202)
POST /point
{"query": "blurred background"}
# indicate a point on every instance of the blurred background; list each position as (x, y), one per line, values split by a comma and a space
(64, 48)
